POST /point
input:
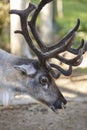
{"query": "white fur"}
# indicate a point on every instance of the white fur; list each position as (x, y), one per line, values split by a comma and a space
(6, 95)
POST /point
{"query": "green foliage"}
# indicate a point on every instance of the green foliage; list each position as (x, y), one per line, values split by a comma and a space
(4, 24)
(80, 70)
(72, 10)
(34, 1)
(4, 15)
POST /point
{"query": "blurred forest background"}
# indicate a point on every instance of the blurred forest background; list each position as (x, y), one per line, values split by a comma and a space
(71, 10)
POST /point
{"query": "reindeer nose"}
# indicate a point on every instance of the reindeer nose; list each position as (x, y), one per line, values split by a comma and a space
(60, 103)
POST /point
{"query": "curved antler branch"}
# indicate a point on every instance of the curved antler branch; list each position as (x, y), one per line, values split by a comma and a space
(45, 53)
(74, 62)
(67, 36)
(52, 72)
(23, 17)
(42, 56)
(56, 73)
(35, 33)
(75, 51)
(32, 24)
(24, 13)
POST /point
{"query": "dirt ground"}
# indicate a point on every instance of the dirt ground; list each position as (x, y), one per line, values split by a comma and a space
(39, 117)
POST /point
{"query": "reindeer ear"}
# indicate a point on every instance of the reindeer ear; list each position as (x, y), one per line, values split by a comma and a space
(27, 69)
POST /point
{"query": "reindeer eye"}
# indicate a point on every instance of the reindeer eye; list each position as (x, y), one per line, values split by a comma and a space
(43, 80)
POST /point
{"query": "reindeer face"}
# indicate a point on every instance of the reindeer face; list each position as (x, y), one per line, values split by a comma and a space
(41, 86)
(45, 90)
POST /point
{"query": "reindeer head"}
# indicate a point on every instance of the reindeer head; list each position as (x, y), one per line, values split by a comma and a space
(46, 53)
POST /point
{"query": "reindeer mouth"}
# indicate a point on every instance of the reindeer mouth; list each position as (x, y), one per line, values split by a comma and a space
(53, 108)
(58, 105)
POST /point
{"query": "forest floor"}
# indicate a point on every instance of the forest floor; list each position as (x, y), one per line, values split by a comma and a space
(39, 117)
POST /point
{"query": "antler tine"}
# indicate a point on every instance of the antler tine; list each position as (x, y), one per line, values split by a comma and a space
(66, 37)
(61, 49)
(78, 59)
(52, 72)
(45, 53)
(75, 51)
(24, 31)
(24, 13)
(71, 62)
(32, 24)
(56, 73)
(23, 17)
(74, 62)
(83, 45)
(36, 35)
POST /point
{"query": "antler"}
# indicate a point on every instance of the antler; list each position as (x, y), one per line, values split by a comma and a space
(45, 53)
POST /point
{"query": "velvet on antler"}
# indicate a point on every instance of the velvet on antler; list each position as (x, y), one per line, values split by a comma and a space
(45, 53)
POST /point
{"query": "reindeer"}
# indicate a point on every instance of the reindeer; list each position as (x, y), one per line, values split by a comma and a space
(36, 77)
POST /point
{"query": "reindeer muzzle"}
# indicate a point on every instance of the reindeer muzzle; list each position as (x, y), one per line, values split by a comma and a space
(59, 104)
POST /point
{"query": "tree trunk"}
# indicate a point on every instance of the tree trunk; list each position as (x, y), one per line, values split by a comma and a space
(18, 43)
(60, 8)
(47, 23)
